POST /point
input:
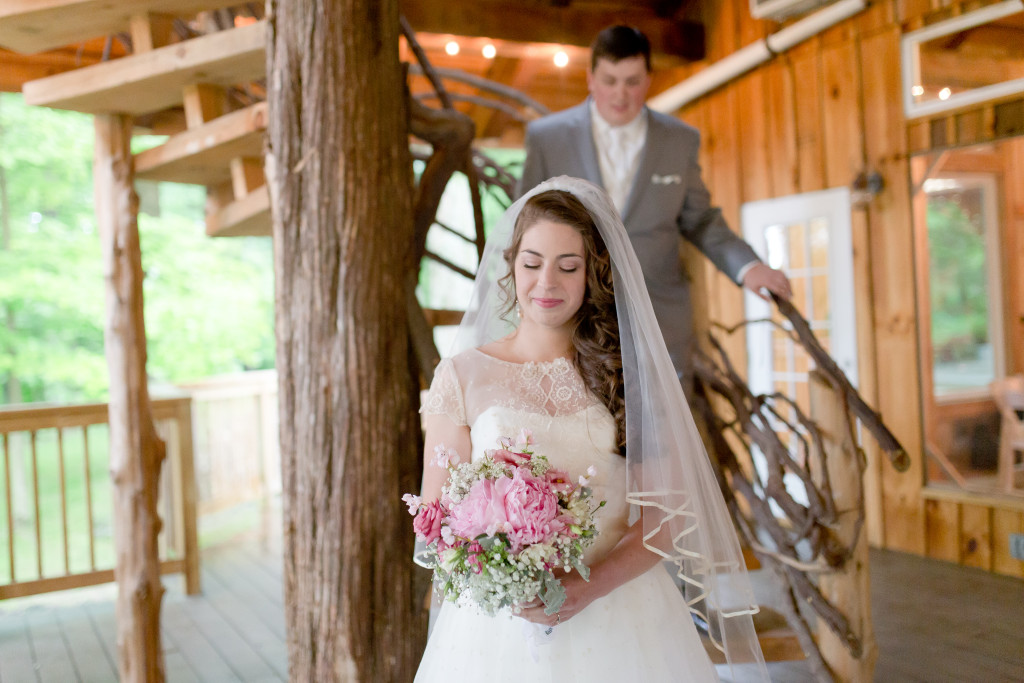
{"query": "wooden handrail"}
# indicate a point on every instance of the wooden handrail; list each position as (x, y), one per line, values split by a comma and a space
(180, 507)
(47, 416)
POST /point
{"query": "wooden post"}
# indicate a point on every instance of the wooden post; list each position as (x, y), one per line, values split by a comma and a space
(848, 588)
(136, 452)
(185, 503)
(340, 182)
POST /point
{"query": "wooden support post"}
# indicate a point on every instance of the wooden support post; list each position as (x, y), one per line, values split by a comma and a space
(185, 503)
(203, 103)
(848, 588)
(246, 176)
(149, 31)
(136, 452)
(219, 196)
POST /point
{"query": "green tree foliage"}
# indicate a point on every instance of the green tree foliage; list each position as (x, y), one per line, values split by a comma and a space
(209, 302)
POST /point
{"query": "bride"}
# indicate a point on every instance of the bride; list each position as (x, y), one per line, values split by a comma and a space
(560, 338)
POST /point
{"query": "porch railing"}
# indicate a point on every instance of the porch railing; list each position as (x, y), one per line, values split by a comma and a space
(56, 526)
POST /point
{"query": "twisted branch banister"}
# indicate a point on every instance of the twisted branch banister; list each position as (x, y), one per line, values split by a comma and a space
(869, 418)
(817, 538)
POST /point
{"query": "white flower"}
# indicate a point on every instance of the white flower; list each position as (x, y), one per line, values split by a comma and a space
(448, 557)
(413, 502)
(444, 457)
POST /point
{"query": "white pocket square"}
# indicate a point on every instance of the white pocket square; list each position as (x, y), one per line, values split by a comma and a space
(674, 179)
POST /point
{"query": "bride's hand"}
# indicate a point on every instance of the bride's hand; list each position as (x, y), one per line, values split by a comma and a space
(577, 597)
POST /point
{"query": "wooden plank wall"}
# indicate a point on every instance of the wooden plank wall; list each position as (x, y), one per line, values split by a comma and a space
(814, 118)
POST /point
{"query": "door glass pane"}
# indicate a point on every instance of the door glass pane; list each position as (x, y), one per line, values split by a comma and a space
(797, 247)
(819, 243)
(776, 242)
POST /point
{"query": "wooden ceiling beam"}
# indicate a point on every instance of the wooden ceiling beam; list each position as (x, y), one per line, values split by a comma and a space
(249, 216)
(155, 80)
(30, 26)
(17, 68)
(576, 24)
(203, 155)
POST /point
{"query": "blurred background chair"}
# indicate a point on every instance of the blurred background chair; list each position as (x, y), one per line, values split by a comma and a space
(1009, 397)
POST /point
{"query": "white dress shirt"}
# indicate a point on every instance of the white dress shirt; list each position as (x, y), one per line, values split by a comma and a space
(618, 153)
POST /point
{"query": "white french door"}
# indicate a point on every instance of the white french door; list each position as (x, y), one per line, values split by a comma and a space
(807, 236)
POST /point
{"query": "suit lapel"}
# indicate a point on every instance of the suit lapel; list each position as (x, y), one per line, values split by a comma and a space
(648, 162)
(583, 140)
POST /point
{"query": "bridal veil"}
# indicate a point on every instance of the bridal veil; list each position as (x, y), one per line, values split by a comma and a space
(670, 481)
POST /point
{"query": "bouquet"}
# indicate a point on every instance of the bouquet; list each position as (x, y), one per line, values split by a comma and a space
(503, 525)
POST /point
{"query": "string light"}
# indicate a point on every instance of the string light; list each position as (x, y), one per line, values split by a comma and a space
(945, 93)
(561, 59)
(489, 51)
(452, 48)
(917, 90)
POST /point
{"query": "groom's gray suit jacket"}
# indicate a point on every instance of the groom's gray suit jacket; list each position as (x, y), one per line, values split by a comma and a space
(668, 198)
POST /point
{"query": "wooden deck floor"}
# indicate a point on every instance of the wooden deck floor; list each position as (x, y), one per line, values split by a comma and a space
(934, 622)
(234, 631)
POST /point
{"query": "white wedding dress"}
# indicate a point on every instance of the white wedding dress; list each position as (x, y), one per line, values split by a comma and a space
(640, 632)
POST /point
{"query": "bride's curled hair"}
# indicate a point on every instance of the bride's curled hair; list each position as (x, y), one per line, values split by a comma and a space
(595, 334)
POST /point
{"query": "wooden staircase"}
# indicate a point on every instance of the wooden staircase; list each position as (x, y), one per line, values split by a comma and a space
(219, 146)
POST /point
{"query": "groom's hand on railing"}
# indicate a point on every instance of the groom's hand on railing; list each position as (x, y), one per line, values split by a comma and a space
(760, 277)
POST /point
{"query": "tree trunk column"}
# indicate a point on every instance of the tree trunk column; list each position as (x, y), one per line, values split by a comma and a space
(339, 176)
(136, 452)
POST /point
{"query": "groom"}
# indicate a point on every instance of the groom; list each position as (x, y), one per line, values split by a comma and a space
(647, 162)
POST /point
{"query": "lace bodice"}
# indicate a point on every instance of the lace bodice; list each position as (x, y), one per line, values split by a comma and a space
(471, 382)
(572, 428)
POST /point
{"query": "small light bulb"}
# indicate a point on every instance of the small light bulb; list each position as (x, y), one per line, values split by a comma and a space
(452, 48)
(561, 59)
(489, 51)
(917, 90)
(945, 93)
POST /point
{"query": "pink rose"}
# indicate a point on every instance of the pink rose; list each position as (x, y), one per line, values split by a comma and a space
(504, 456)
(475, 549)
(558, 480)
(427, 523)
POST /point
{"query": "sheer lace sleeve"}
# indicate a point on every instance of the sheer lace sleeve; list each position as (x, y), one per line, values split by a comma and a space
(445, 396)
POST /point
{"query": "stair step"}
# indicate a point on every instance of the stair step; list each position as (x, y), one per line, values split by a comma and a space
(777, 645)
(779, 642)
(31, 26)
(201, 156)
(248, 216)
(155, 80)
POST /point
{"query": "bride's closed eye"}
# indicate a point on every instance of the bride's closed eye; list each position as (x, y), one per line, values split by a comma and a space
(564, 269)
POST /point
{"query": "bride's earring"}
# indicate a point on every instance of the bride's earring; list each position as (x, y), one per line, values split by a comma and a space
(519, 310)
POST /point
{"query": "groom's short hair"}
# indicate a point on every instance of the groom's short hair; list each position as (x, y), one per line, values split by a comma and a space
(616, 43)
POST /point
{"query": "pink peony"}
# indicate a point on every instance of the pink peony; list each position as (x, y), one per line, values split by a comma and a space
(531, 505)
(523, 506)
(427, 523)
(481, 511)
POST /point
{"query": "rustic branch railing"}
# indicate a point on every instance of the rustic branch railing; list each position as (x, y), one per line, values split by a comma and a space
(51, 452)
(810, 538)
